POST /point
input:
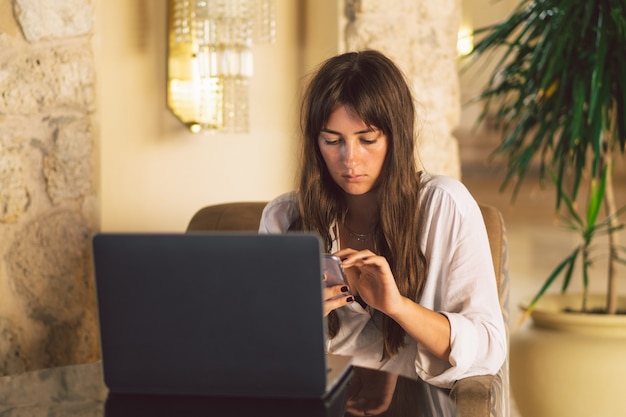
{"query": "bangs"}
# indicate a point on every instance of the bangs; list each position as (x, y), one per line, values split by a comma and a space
(361, 98)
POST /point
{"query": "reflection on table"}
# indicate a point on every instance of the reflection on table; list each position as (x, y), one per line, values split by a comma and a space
(79, 391)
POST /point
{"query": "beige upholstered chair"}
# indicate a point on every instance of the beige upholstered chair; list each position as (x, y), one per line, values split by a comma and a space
(479, 396)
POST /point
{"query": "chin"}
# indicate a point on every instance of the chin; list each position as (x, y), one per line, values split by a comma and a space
(356, 192)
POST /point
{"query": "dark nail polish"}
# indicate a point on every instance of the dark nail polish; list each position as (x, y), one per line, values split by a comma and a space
(349, 299)
(344, 289)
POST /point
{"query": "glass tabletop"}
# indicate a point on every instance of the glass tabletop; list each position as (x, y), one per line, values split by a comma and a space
(78, 390)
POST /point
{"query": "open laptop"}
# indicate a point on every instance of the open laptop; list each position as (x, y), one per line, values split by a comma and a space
(216, 313)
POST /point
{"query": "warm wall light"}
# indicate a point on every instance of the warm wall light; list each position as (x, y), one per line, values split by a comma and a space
(465, 41)
(210, 60)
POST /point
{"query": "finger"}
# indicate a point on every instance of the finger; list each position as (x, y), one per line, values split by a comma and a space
(335, 291)
(345, 252)
(353, 258)
(374, 260)
(335, 303)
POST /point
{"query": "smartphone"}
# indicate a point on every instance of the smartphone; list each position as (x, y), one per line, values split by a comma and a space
(333, 271)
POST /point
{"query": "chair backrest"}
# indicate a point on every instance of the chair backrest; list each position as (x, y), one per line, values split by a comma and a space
(239, 216)
(498, 245)
(496, 231)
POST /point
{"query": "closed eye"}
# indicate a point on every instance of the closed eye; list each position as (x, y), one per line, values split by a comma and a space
(367, 141)
(371, 138)
(331, 140)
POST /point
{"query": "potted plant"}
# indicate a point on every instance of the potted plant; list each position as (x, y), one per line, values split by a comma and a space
(558, 94)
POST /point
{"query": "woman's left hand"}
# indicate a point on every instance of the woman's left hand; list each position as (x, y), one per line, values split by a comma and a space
(370, 276)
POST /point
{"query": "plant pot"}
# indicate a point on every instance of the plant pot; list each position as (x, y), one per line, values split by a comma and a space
(570, 364)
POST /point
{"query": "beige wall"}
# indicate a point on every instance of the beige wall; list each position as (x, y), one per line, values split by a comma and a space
(154, 174)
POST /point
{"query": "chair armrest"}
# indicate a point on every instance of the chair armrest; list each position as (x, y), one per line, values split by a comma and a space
(474, 396)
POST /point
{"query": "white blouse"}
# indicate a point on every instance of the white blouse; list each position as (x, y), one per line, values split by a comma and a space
(460, 284)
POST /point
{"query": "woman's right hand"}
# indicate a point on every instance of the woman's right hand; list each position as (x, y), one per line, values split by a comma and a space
(335, 297)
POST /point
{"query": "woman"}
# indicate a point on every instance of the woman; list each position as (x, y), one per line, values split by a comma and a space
(421, 298)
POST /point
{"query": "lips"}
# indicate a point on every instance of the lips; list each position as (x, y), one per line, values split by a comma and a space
(353, 178)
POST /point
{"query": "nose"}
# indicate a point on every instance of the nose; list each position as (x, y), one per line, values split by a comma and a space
(350, 154)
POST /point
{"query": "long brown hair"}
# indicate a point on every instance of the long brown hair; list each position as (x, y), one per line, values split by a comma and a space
(374, 89)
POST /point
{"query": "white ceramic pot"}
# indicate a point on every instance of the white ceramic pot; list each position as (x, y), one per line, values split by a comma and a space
(570, 364)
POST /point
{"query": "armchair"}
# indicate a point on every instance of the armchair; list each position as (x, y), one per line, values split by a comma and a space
(478, 396)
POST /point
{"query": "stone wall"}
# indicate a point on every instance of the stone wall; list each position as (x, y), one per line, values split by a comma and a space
(47, 176)
(421, 36)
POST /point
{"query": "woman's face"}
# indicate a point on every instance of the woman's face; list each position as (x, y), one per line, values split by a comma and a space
(353, 152)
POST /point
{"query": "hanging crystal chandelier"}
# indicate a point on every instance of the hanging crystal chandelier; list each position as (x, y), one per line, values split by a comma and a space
(210, 60)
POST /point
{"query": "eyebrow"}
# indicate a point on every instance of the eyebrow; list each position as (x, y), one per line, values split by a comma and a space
(360, 132)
